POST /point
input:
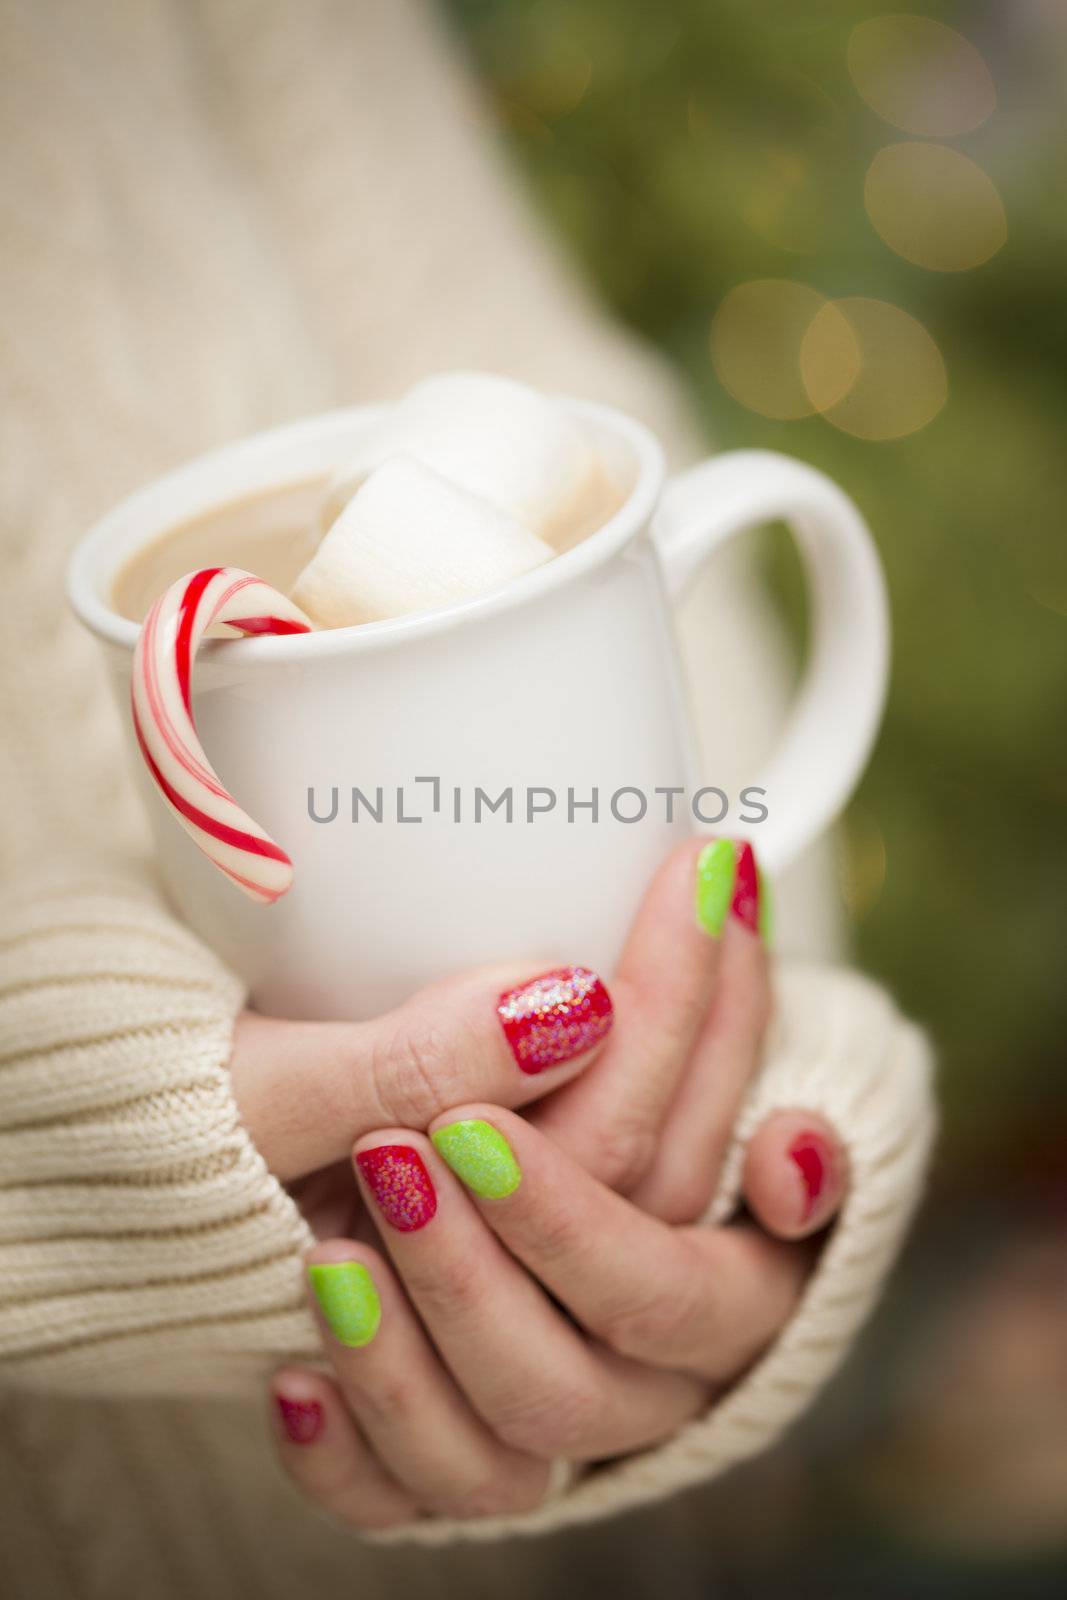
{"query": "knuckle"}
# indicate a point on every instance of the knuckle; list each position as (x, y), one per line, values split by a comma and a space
(391, 1398)
(552, 1230)
(623, 1153)
(557, 1422)
(664, 1325)
(447, 1298)
(416, 1073)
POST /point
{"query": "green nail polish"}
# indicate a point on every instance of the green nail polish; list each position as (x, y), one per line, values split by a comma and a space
(348, 1300)
(716, 871)
(766, 910)
(480, 1156)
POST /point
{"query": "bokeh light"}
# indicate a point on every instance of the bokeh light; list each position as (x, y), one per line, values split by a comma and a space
(763, 179)
(830, 357)
(786, 351)
(900, 382)
(755, 345)
(920, 75)
(934, 206)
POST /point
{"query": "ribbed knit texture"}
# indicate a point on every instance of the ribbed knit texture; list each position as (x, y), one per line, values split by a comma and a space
(145, 1248)
(143, 1244)
(220, 214)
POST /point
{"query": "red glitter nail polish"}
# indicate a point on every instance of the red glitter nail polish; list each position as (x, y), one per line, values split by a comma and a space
(813, 1157)
(745, 903)
(555, 1017)
(400, 1183)
(301, 1419)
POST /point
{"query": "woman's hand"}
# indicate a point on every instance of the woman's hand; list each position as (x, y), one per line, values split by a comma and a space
(536, 1314)
(307, 1090)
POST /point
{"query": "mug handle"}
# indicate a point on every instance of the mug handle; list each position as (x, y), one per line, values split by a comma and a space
(834, 718)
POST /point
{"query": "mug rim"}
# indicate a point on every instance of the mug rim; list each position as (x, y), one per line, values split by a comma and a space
(92, 551)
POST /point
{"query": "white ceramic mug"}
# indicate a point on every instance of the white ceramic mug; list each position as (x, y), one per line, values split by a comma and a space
(564, 681)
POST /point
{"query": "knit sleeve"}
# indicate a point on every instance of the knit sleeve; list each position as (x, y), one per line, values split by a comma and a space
(144, 1247)
(838, 1047)
(143, 1243)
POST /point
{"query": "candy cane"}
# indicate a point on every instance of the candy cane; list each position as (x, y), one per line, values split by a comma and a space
(161, 701)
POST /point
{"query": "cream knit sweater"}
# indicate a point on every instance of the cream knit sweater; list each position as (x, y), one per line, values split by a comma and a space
(219, 214)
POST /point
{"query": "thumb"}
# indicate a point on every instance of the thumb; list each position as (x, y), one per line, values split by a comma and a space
(307, 1090)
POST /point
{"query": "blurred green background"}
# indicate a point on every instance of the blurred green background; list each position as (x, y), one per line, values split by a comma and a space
(848, 230)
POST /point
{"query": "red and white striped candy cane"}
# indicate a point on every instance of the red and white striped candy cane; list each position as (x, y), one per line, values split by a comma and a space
(160, 697)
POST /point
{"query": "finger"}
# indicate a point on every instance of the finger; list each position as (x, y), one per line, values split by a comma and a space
(610, 1121)
(322, 1451)
(307, 1090)
(539, 1385)
(681, 1178)
(795, 1174)
(406, 1405)
(703, 1300)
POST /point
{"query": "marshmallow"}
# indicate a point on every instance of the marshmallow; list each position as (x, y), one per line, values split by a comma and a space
(408, 540)
(500, 439)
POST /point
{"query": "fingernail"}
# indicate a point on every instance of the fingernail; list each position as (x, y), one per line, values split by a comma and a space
(814, 1159)
(766, 908)
(555, 1017)
(301, 1419)
(730, 882)
(745, 905)
(399, 1182)
(716, 874)
(480, 1156)
(348, 1300)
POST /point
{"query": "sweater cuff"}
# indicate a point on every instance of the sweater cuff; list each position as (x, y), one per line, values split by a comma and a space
(837, 1046)
(144, 1246)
